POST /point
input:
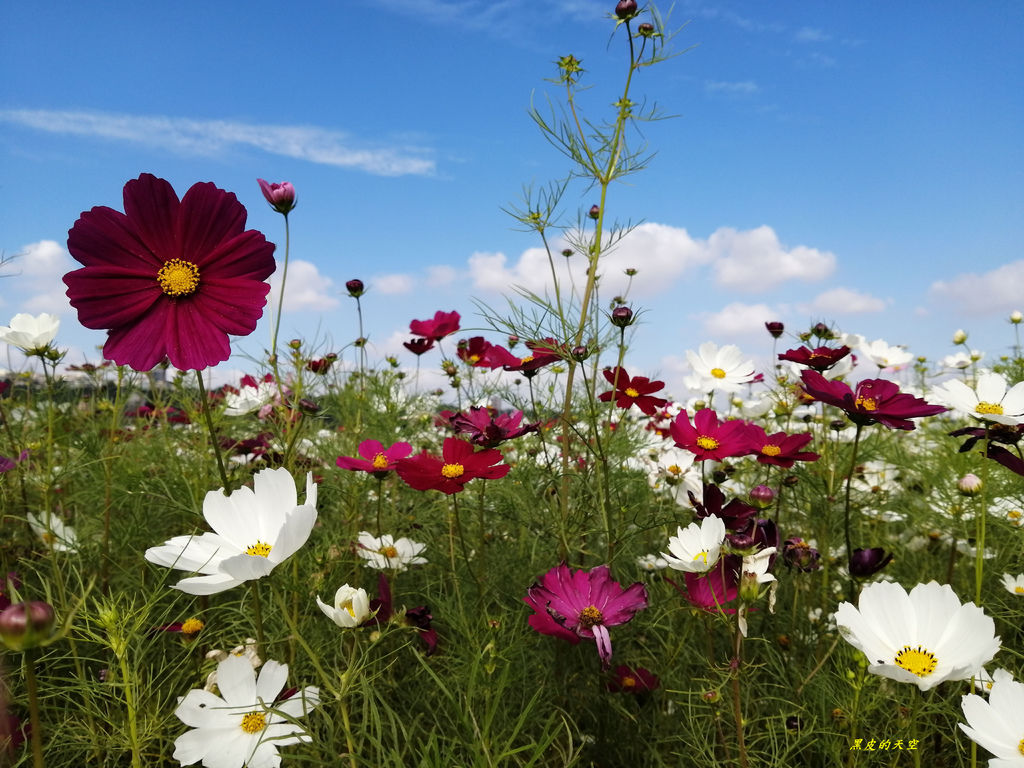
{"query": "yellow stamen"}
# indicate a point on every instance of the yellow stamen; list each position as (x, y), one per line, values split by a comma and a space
(867, 403)
(590, 616)
(178, 278)
(260, 549)
(718, 373)
(989, 409)
(1018, 590)
(380, 461)
(917, 661)
(707, 443)
(526, 359)
(771, 450)
(1020, 746)
(675, 469)
(628, 682)
(452, 470)
(254, 722)
(388, 551)
(191, 626)
(701, 555)
(630, 392)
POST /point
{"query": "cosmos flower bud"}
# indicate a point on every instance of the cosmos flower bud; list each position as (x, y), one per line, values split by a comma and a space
(1016, 317)
(775, 328)
(969, 484)
(595, 210)
(580, 353)
(27, 625)
(798, 554)
(355, 288)
(567, 252)
(280, 196)
(625, 9)
(631, 272)
(646, 29)
(821, 330)
(837, 425)
(761, 496)
(622, 317)
(295, 344)
(959, 336)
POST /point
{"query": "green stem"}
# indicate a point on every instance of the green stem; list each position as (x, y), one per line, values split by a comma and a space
(204, 402)
(280, 303)
(33, 708)
(981, 519)
(846, 508)
(128, 684)
(737, 709)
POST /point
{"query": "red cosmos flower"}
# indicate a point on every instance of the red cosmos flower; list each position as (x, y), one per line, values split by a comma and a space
(443, 324)
(635, 680)
(780, 449)
(820, 358)
(708, 439)
(543, 352)
(874, 400)
(474, 351)
(419, 346)
(633, 391)
(459, 464)
(378, 459)
(490, 430)
(169, 278)
(577, 604)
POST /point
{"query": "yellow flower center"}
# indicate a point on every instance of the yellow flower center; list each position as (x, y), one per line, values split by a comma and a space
(630, 392)
(702, 555)
(388, 551)
(867, 403)
(254, 722)
(1020, 746)
(989, 408)
(917, 661)
(707, 443)
(260, 549)
(674, 470)
(771, 450)
(526, 359)
(380, 461)
(628, 682)
(452, 470)
(191, 626)
(178, 278)
(48, 538)
(590, 616)
(474, 358)
(718, 373)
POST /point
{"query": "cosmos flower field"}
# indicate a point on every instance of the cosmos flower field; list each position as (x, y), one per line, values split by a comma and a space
(551, 560)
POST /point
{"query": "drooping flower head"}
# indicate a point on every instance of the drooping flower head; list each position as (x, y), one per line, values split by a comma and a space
(634, 680)
(420, 618)
(635, 390)
(866, 562)
(989, 401)
(874, 401)
(459, 463)
(254, 530)
(706, 438)
(490, 430)
(377, 460)
(924, 637)
(169, 278)
(247, 723)
(443, 324)
(583, 604)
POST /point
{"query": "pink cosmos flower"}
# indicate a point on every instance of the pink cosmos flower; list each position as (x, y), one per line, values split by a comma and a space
(169, 278)
(874, 400)
(577, 604)
(443, 324)
(714, 589)
(780, 449)
(708, 439)
(280, 196)
(635, 390)
(458, 464)
(377, 460)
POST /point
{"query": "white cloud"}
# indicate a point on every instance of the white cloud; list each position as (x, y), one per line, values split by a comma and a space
(441, 275)
(738, 320)
(30, 280)
(391, 285)
(740, 87)
(843, 301)
(812, 35)
(305, 290)
(755, 261)
(994, 292)
(211, 137)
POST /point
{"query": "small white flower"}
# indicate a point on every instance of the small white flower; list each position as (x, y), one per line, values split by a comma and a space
(351, 607)
(989, 400)
(1014, 584)
(983, 681)
(53, 532)
(248, 652)
(883, 355)
(996, 724)
(696, 548)
(1016, 317)
(958, 360)
(652, 562)
(249, 399)
(1009, 509)
(388, 552)
(30, 332)
(246, 724)
(924, 637)
(254, 530)
(720, 369)
(755, 566)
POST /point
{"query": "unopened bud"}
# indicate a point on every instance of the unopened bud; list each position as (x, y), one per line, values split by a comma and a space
(580, 353)
(959, 336)
(595, 210)
(625, 9)
(567, 252)
(1016, 317)
(295, 344)
(630, 272)
(646, 29)
(969, 484)
(26, 625)
(355, 288)
(775, 328)
(622, 317)
(761, 496)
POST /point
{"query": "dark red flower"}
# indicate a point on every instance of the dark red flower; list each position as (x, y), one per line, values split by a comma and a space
(708, 439)
(775, 328)
(634, 390)
(635, 680)
(737, 515)
(490, 430)
(443, 324)
(474, 351)
(780, 449)
(819, 358)
(419, 346)
(377, 460)
(542, 352)
(168, 278)
(458, 464)
(322, 365)
(874, 401)
(865, 563)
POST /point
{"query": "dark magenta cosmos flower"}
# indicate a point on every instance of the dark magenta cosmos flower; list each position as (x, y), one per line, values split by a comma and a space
(998, 435)
(819, 358)
(874, 400)
(635, 680)
(634, 390)
(780, 449)
(280, 196)
(458, 464)
(542, 352)
(708, 439)
(474, 351)
(377, 460)
(865, 563)
(737, 515)
(419, 346)
(490, 430)
(443, 324)
(583, 604)
(169, 278)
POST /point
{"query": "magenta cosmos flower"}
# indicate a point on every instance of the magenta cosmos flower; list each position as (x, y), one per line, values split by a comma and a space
(280, 196)
(874, 400)
(635, 390)
(580, 604)
(377, 460)
(819, 358)
(169, 278)
(443, 324)
(708, 439)
(489, 430)
(780, 449)
(458, 464)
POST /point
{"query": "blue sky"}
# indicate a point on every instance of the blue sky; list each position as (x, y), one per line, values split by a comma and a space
(857, 163)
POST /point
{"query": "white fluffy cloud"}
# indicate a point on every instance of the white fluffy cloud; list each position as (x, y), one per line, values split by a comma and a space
(843, 301)
(754, 260)
(392, 285)
(738, 320)
(30, 280)
(995, 292)
(305, 290)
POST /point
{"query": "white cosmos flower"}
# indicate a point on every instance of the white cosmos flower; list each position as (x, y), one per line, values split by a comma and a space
(883, 355)
(696, 548)
(245, 725)
(30, 332)
(652, 562)
(996, 724)
(388, 552)
(958, 360)
(983, 681)
(254, 529)
(1014, 584)
(923, 638)
(249, 399)
(989, 400)
(351, 607)
(53, 532)
(721, 369)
